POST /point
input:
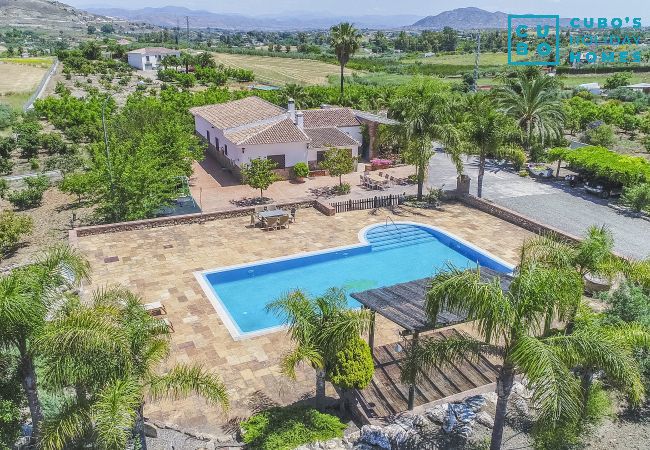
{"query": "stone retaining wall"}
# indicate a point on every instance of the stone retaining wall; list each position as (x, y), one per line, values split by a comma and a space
(178, 220)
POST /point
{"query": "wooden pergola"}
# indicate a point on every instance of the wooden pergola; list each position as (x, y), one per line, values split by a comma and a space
(404, 305)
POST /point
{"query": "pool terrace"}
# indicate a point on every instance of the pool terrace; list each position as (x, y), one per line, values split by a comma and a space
(159, 264)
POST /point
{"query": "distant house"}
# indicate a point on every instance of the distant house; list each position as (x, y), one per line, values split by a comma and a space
(149, 58)
(123, 42)
(242, 130)
(639, 87)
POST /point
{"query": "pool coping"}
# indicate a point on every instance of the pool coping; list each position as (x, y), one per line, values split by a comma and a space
(231, 325)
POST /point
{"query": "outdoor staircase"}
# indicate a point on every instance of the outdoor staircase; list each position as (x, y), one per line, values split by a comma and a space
(392, 235)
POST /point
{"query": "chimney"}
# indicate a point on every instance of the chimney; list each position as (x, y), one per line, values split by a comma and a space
(291, 107)
(300, 119)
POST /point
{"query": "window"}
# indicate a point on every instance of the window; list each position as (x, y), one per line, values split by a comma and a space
(207, 135)
(146, 58)
(225, 148)
(279, 160)
(216, 142)
(320, 156)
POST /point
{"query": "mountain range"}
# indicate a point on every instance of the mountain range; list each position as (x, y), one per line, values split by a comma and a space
(170, 16)
(464, 18)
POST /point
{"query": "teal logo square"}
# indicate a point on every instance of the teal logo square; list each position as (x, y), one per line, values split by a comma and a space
(533, 39)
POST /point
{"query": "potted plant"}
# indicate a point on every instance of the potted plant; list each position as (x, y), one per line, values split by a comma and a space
(301, 171)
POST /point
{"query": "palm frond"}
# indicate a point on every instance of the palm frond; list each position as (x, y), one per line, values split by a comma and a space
(302, 353)
(115, 412)
(556, 392)
(427, 353)
(71, 423)
(183, 381)
(463, 290)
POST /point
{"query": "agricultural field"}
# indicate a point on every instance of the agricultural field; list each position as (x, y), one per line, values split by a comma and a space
(281, 71)
(463, 59)
(19, 78)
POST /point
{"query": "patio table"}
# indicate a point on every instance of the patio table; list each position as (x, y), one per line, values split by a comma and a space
(272, 213)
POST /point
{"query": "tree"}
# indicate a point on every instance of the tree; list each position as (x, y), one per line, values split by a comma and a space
(187, 60)
(424, 115)
(107, 353)
(448, 40)
(107, 28)
(557, 154)
(28, 138)
(259, 174)
(487, 133)
(602, 135)
(12, 227)
(618, 79)
(27, 295)
(533, 102)
(637, 197)
(338, 162)
(7, 116)
(320, 328)
(345, 40)
(352, 368)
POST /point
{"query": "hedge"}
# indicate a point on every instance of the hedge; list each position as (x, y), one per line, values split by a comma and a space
(604, 163)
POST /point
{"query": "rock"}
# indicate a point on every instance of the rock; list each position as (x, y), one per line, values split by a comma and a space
(463, 413)
(420, 421)
(475, 403)
(464, 430)
(437, 413)
(363, 446)
(150, 431)
(485, 419)
(521, 405)
(450, 421)
(374, 435)
(490, 397)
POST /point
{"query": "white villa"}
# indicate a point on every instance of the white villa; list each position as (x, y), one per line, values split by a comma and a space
(149, 58)
(250, 128)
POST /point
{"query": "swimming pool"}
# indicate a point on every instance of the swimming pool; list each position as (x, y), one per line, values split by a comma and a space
(387, 254)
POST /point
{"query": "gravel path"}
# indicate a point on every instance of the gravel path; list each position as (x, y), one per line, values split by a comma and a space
(551, 202)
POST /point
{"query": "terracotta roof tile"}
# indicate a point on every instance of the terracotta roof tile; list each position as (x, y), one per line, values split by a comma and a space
(275, 132)
(238, 112)
(154, 51)
(329, 117)
(329, 137)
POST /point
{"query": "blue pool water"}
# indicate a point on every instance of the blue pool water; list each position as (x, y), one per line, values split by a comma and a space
(395, 253)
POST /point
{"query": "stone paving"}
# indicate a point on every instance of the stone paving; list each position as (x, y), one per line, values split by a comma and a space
(214, 188)
(158, 264)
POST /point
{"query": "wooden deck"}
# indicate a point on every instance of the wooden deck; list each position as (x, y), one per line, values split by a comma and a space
(386, 396)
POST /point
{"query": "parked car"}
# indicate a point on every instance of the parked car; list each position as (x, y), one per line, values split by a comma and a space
(603, 188)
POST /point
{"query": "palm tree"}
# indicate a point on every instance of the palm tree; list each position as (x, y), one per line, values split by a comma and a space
(423, 118)
(319, 327)
(295, 92)
(108, 351)
(533, 101)
(28, 295)
(508, 324)
(487, 133)
(345, 41)
(187, 60)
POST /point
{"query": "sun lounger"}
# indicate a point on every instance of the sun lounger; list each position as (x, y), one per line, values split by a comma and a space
(155, 308)
(293, 215)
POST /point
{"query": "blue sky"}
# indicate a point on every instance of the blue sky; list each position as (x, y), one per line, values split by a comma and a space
(566, 8)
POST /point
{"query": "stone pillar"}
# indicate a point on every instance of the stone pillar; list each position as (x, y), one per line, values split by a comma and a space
(462, 184)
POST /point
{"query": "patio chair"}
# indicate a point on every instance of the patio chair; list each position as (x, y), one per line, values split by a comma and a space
(283, 221)
(387, 177)
(270, 223)
(293, 215)
(253, 219)
(155, 309)
(167, 322)
(363, 179)
(380, 173)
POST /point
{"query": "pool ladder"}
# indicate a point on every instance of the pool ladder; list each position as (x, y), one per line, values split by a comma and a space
(396, 227)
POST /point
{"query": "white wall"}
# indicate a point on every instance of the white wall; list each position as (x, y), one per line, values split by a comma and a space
(294, 152)
(135, 60)
(139, 61)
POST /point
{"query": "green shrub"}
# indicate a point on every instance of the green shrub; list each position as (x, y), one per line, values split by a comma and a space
(289, 427)
(599, 404)
(637, 197)
(353, 368)
(28, 137)
(32, 196)
(523, 173)
(342, 189)
(602, 136)
(7, 116)
(563, 436)
(4, 187)
(601, 162)
(33, 163)
(12, 227)
(301, 170)
(53, 143)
